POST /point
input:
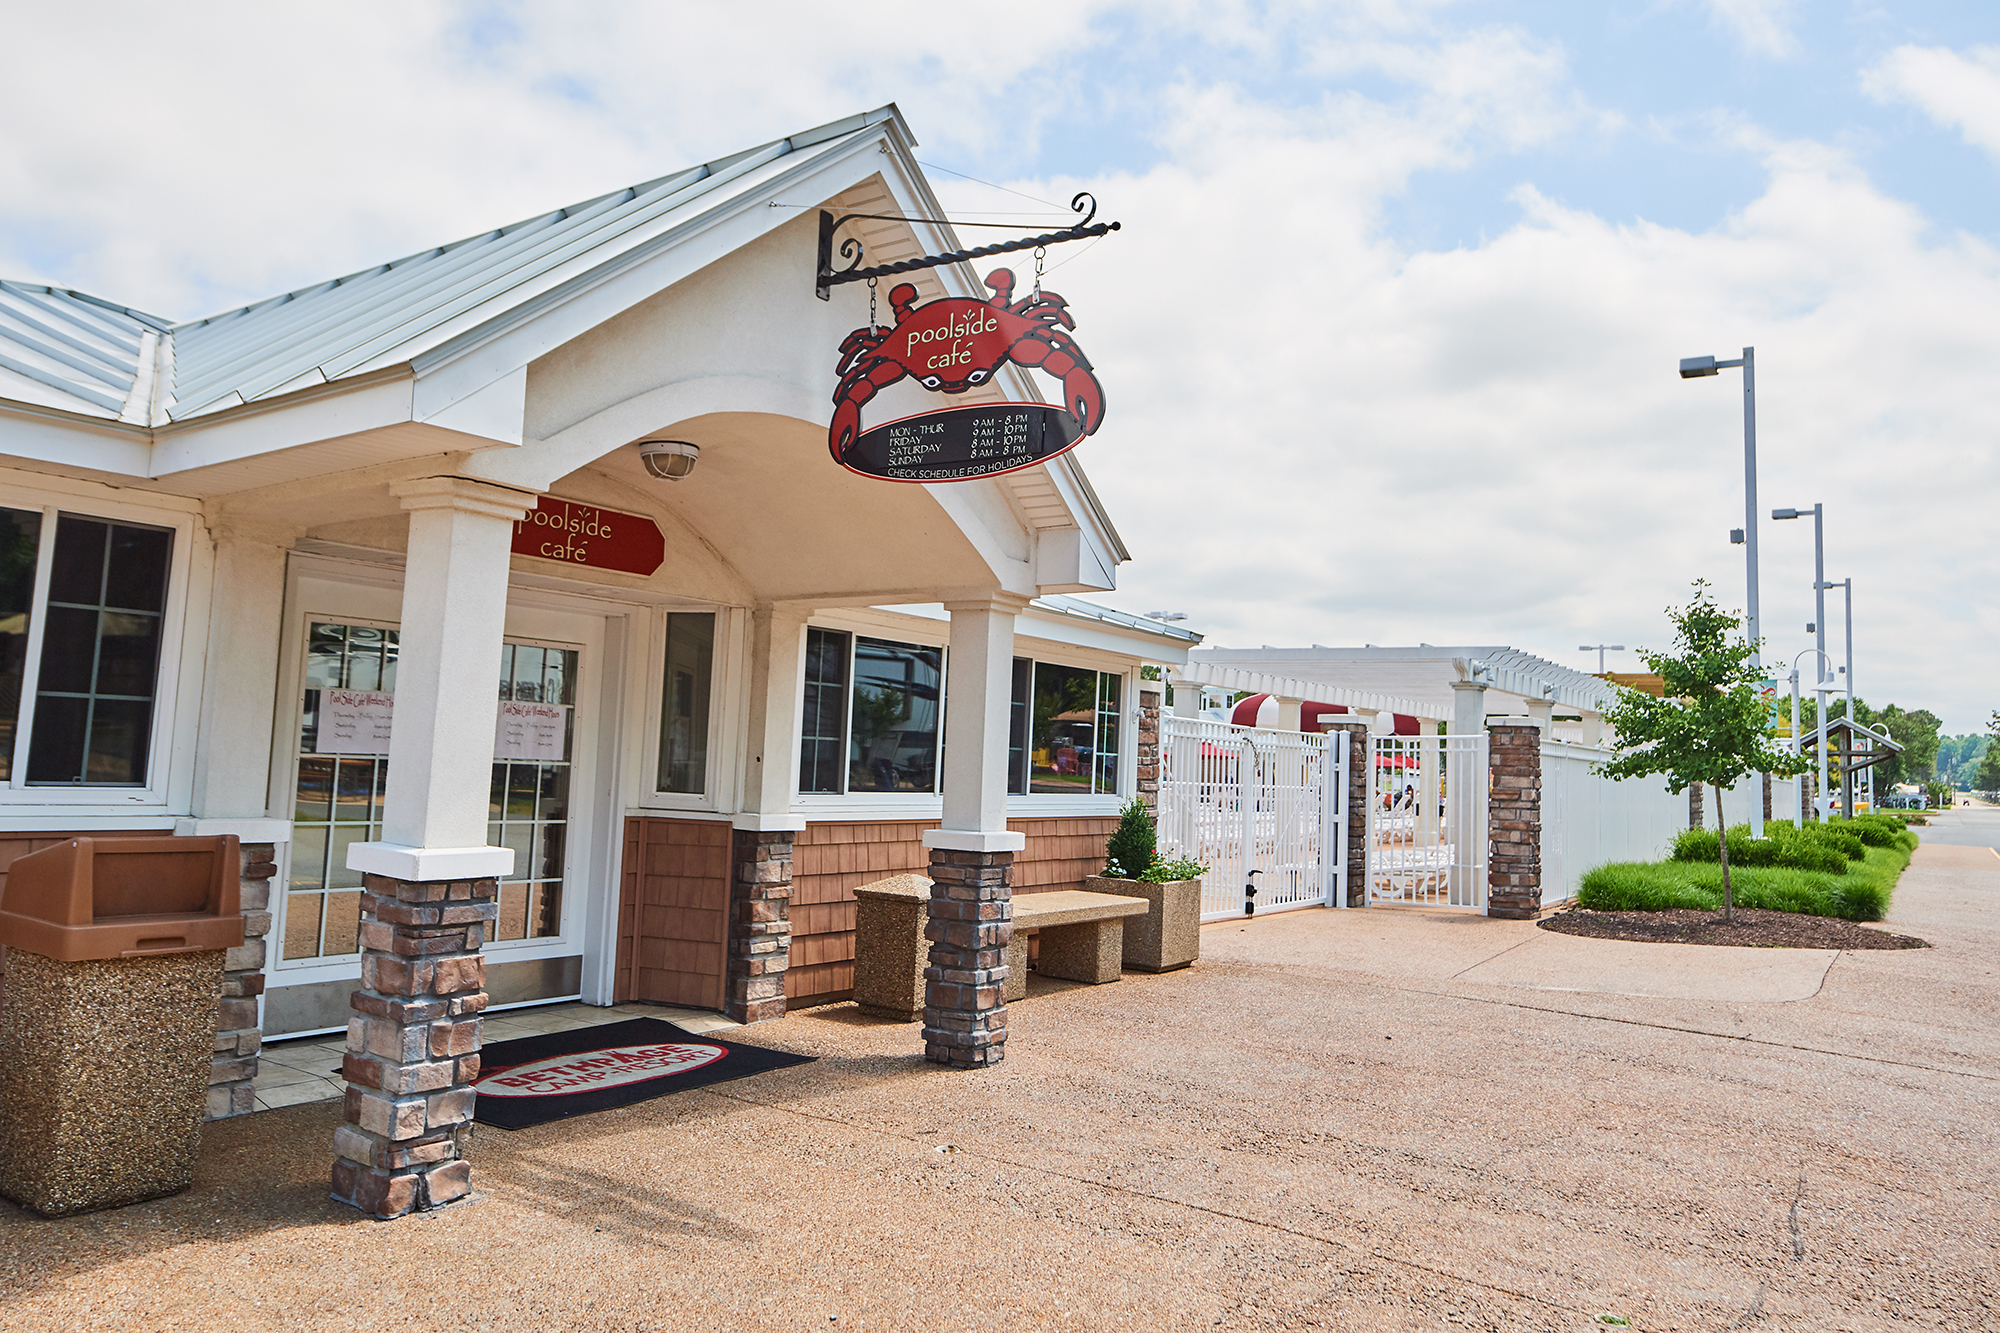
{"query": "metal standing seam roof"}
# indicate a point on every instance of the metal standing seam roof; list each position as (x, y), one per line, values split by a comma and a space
(76, 349)
(100, 359)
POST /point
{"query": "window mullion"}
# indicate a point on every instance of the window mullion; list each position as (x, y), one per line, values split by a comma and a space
(31, 669)
(847, 715)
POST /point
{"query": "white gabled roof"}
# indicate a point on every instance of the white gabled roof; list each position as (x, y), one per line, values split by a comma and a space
(76, 352)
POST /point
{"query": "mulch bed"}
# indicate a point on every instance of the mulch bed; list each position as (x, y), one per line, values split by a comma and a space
(1754, 928)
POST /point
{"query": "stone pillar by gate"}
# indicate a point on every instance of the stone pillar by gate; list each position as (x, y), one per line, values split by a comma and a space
(1357, 808)
(413, 1045)
(760, 927)
(1514, 819)
(1694, 806)
(1149, 744)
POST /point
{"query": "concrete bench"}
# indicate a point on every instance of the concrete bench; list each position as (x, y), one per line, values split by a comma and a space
(1083, 939)
(1083, 936)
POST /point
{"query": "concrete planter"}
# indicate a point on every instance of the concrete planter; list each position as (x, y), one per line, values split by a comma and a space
(1169, 935)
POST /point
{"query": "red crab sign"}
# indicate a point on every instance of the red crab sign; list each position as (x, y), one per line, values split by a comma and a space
(950, 346)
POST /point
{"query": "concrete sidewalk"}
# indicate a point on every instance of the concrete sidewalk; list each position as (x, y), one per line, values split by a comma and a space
(1343, 1120)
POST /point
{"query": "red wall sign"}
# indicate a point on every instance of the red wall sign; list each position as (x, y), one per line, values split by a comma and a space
(580, 534)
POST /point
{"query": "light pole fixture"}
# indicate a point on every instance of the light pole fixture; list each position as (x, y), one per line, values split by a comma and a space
(1600, 649)
(1698, 367)
(1798, 738)
(1166, 615)
(1818, 627)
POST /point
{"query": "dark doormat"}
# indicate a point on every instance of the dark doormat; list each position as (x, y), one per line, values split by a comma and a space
(533, 1080)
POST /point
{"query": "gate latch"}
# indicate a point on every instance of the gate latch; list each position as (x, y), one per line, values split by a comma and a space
(1250, 893)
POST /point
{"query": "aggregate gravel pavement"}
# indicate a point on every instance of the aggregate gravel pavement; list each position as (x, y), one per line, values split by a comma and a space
(1338, 1120)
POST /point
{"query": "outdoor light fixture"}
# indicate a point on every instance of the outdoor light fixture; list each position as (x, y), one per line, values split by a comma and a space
(1166, 615)
(1599, 649)
(1700, 367)
(669, 460)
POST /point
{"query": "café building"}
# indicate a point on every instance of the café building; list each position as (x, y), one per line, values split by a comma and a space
(516, 573)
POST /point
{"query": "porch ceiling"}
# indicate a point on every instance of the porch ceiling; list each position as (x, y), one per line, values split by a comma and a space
(795, 525)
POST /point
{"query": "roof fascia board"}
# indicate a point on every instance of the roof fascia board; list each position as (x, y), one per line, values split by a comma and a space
(52, 437)
(1037, 622)
(319, 413)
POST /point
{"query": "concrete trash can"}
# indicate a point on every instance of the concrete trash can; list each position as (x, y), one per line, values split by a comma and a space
(114, 967)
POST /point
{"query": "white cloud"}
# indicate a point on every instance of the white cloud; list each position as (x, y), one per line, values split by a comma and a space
(1960, 92)
(1764, 27)
(1317, 437)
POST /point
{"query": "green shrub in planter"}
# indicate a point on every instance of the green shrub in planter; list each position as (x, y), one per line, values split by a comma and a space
(1173, 871)
(1134, 844)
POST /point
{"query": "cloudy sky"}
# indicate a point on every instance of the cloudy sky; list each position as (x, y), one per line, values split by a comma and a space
(1389, 338)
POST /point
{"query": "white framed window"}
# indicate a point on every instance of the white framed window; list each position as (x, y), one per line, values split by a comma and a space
(872, 720)
(1065, 733)
(92, 601)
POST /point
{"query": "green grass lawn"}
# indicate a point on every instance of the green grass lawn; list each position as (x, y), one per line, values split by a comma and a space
(1862, 894)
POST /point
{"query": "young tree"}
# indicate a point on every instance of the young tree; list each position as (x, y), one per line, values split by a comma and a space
(1988, 776)
(1709, 725)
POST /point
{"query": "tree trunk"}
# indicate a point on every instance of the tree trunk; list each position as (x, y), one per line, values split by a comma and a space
(1722, 850)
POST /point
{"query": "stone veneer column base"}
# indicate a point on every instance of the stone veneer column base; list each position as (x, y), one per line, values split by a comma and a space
(971, 923)
(1148, 742)
(232, 1076)
(413, 1045)
(1514, 821)
(760, 927)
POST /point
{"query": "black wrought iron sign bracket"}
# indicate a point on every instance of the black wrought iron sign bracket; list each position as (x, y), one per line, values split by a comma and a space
(828, 277)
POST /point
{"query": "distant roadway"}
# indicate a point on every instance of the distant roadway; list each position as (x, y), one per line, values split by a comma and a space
(1965, 826)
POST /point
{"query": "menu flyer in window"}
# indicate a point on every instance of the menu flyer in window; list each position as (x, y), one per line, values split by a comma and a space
(354, 722)
(529, 732)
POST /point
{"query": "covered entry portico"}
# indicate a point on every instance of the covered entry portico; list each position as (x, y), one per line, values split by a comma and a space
(351, 466)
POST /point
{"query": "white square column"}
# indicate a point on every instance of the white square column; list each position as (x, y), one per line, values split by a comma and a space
(447, 683)
(978, 703)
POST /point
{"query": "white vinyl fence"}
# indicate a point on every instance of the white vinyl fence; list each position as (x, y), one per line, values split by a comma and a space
(1241, 799)
(1589, 821)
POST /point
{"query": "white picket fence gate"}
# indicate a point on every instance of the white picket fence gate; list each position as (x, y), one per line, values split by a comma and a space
(1589, 821)
(1427, 820)
(1243, 800)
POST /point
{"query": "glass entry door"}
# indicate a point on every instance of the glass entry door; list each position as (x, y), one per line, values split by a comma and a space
(342, 771)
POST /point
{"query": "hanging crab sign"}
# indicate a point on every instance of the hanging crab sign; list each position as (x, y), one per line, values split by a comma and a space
(951, 346)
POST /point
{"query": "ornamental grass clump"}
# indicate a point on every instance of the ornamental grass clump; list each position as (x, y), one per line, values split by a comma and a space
(1812, 848)
(1861, 894)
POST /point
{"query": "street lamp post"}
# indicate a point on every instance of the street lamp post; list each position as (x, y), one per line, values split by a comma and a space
(1697, 367)
(1798, 737)
(1820, 585)
(1600, 649)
